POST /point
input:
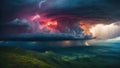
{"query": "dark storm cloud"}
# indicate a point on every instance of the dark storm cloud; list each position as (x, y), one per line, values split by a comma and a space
(15, 27)
(90, 9)
(107, 10)
(10, 8)
(17, 23)
(93, 9)
(43, 37)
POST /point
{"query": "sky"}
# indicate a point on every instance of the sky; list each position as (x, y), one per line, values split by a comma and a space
(65, 19)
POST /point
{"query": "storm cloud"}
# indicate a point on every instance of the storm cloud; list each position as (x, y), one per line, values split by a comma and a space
(93, 9)
(107, 10)
(102, 11)
(108, 31)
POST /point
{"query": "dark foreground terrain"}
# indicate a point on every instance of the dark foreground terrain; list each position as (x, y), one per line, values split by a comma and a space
(61, 57)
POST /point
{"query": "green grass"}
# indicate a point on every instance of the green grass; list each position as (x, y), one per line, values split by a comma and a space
(13, 57)
(16, 58)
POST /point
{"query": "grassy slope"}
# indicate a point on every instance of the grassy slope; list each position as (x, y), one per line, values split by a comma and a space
(17, 58)
(13, 57)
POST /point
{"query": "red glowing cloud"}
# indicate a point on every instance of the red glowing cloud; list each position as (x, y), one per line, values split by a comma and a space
(44, 23)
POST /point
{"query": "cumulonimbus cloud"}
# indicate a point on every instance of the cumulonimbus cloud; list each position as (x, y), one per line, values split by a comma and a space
(107, 10)
(106, 31)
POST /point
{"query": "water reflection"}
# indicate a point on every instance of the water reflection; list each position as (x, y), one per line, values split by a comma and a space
(86, 43)
(68, 43)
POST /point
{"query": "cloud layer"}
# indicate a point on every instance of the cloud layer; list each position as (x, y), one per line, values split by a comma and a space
(108, 31)
(105, 10)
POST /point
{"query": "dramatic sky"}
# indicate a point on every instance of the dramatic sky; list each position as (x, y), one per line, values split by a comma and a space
(65, 19)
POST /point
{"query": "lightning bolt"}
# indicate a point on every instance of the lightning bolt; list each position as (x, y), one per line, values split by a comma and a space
(41, 2)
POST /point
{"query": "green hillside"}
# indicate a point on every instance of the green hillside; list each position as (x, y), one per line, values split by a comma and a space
(13, 57)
